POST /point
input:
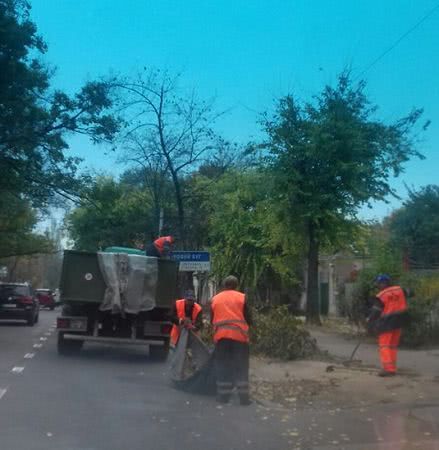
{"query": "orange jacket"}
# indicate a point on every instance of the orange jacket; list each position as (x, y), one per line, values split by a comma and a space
(180, 306)
(228, 317)
(160, 242)
(392, 310)
(393, 300)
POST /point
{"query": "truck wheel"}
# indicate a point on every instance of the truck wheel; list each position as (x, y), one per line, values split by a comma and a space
(68, 347)
(159, 353)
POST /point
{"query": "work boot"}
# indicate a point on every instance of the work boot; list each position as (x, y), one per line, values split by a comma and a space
(386, 373)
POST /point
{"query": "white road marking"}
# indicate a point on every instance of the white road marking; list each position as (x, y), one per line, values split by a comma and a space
(29, 355)
(17, 369)
(37, 345)
(48, 334)
(2, 392)
(43, 339)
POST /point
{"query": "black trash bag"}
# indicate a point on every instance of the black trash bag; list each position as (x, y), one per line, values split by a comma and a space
(192, 366)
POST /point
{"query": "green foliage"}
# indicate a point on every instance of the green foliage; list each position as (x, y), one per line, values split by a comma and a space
(415, 227)
(34, 120)
(383, 257)
(423, 297)
(278, 334)
(245, 235)
(331, 156)
(17, 235)
(113, 215)
(423, 327)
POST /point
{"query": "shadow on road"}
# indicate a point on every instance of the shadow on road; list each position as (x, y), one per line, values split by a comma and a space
(13, 323)
(108, 354)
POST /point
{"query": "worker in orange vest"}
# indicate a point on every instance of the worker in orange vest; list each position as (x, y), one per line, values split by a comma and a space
(231, 319)
(388, 315)
(186, 313)
(160, 247)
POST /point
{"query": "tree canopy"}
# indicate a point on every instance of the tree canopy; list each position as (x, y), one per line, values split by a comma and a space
(114, 214)
(414, 228)
(36, 120)
(329, 157)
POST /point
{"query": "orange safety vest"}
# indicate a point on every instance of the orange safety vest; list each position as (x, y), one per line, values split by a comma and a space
(160, 242)
(181, 314)
(228, 317)
(393, 300)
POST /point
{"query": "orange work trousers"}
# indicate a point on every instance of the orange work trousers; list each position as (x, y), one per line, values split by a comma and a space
(388, 346)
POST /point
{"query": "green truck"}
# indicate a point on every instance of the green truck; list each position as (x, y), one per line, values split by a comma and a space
(118, 296)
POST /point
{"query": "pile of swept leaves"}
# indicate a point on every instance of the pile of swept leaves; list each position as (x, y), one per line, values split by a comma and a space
(278, 334)
(288, 393)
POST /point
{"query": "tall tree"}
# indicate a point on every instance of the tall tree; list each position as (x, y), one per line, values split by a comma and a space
(331, 156)
(170, 130)
(149, 171)
(35, 120)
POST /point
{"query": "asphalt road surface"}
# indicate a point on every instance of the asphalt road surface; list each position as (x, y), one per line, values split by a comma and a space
(114, 398)
(110, 398)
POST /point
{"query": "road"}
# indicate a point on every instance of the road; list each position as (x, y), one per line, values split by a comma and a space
(109, 398)
(425, 361)
(114, 398)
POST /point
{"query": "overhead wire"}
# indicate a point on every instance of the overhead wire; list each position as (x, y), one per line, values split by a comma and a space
(399, 40)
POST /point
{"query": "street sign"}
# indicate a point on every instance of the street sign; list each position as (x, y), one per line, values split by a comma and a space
(192, 261)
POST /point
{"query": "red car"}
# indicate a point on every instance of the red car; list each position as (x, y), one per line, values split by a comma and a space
(46, 298)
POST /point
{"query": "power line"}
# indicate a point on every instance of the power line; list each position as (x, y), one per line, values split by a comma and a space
(398, 41)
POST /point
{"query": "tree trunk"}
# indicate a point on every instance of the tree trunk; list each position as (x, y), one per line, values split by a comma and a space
(312, 291)
(180, 208)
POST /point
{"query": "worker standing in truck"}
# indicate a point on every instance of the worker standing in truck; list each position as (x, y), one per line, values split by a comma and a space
(186, 313)
(160, 247)
(231, 319)
(388, 316)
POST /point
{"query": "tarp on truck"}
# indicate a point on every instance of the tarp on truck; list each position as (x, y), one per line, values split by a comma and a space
(191, 365)
(131, 282)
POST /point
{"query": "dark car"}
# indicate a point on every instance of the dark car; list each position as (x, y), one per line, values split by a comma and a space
(46, 298)
(18, 302)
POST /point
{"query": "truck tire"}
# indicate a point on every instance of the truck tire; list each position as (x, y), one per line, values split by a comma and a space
(68, 347)
(159, 353)
(31, 320)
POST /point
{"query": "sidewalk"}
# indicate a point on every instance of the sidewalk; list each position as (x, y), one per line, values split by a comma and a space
(423, 362)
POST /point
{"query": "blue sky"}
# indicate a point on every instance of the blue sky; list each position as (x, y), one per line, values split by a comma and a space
(245, 53)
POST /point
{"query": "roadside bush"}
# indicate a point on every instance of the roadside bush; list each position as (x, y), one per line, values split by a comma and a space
(278, 334)
(424, 310)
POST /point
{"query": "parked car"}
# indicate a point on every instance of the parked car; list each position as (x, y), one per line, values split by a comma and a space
(46, 298)
(18, 302)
